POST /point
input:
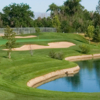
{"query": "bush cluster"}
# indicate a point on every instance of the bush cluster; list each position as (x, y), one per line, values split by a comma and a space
(84, 48)
(58, 55)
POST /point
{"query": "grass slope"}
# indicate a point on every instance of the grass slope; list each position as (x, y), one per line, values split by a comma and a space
(16, 72)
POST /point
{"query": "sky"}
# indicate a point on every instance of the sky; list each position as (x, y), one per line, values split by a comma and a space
(39, 7)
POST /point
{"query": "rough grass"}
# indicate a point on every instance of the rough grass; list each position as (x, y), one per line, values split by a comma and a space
(15, 72)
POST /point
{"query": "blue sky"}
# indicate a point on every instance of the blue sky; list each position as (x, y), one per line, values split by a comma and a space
(40, 6)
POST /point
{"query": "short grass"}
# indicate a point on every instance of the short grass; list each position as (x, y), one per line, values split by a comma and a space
(45, 38)
(17, 71)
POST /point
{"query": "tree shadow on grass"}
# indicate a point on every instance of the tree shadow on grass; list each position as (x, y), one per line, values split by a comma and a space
(4, 56)
(78, 51)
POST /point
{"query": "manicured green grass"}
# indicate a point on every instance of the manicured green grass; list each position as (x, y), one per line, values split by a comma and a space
(45, 38)
(17, 71)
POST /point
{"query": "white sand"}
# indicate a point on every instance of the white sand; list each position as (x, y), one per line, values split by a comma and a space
(50, 45)
(31, 36)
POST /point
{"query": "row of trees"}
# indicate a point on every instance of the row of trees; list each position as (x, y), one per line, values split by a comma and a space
(70, 17)
(74, 17)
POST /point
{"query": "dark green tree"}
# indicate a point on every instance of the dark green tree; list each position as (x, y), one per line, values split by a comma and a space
(1, 23)
(49, 22)
(72, 6)
(38, 22)
(66, 27)
(10, 36)
(54, 9)
(96, 19)
(17, 15)
(96, 36)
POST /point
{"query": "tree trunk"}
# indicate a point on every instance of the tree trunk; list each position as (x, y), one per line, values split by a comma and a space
(89, 40)
(31, 52)
(9, 54)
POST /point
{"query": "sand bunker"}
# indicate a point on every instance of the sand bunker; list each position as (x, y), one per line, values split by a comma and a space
(31, 36)
(50, 45)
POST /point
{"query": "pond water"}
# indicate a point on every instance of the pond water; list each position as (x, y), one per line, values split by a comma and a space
(87, 80)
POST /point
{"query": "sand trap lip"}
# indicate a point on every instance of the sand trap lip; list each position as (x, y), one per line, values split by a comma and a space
(50, 45)
(82, 57)
(31, 36)
(70, 71)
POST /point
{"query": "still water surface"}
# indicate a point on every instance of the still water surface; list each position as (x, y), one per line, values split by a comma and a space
(87, 80)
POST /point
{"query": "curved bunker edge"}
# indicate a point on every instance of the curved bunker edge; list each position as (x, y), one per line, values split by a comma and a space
(69, 71)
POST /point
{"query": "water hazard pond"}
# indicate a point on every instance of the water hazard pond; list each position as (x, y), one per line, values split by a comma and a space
(87, 80)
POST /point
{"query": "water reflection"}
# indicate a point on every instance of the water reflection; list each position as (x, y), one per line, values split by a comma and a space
(97, 71)
(87, 80)
(74, 81)
(86, 65)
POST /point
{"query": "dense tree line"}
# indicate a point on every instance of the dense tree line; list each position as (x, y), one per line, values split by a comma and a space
(70, 17)
(73, 16)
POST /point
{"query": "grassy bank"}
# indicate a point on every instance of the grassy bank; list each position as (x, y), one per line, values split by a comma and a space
(16, 72)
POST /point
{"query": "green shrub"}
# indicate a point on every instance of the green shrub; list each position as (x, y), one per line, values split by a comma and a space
(96, 38)
(58, 55)
(84, 48)
(52, 54)
(37, 30)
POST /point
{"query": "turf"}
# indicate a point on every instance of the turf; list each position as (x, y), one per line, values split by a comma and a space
(17, 71)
